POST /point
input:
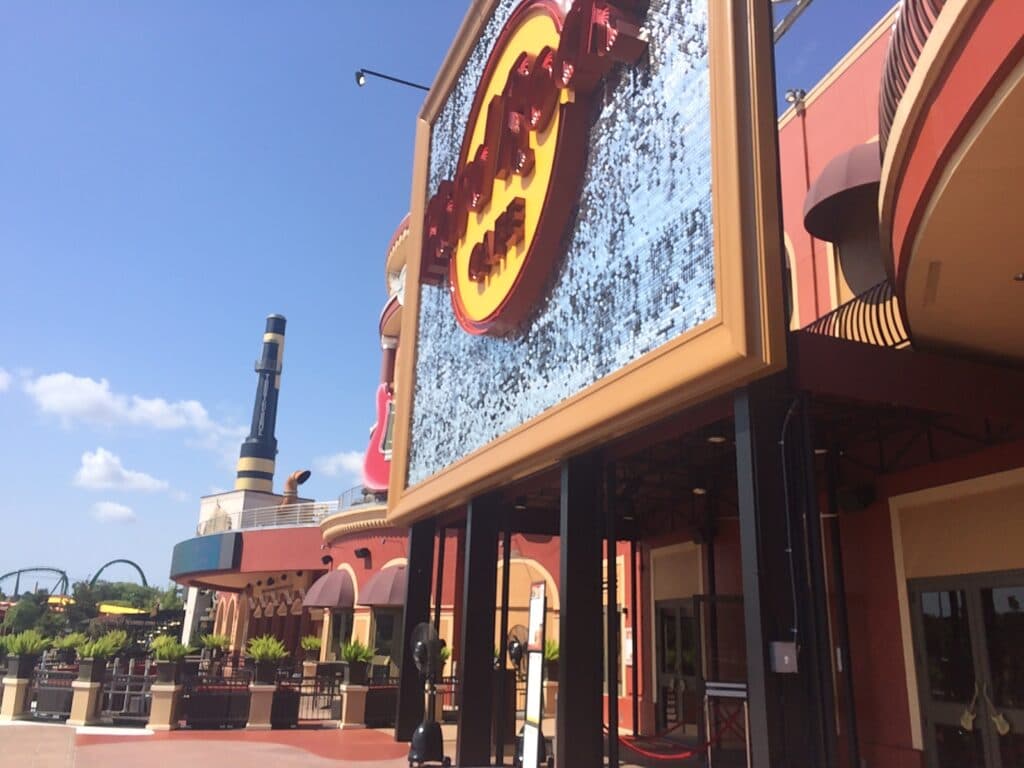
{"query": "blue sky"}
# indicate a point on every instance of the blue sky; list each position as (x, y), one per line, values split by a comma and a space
(172, 173)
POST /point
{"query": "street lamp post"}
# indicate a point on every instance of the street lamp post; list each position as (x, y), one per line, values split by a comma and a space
(362, 73)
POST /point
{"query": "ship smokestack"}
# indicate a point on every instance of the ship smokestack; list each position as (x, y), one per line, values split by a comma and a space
(256, 459)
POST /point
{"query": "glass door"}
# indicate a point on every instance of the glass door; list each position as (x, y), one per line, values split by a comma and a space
(679, 697)
(969, 648)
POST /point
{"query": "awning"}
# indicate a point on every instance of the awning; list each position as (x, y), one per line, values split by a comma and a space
(386, 589)
(846, 178)
(332, 590)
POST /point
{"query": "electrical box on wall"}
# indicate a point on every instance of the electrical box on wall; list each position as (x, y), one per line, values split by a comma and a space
(783, 657)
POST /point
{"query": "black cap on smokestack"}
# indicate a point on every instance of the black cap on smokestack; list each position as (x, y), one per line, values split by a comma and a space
(256, 459)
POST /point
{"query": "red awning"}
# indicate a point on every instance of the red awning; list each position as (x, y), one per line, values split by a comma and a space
(332, 590)
(846, 178)
(386, 589)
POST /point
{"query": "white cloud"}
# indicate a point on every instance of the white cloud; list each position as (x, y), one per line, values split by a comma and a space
(111, 512)
(348, 464)
(102, 469)
(82, 399)
(5, 380)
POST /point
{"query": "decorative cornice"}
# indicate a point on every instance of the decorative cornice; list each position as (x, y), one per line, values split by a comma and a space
(363, 518)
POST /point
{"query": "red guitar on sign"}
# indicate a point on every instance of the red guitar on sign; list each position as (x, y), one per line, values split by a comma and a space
(377, 464)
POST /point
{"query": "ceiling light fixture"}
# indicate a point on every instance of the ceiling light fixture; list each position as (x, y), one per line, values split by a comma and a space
(717, 439)
(698, 491)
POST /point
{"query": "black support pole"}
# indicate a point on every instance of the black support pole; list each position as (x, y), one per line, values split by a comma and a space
(417, 610)
(778, 517)
(842, 619)
(579, 740)
(473, 743)
(506, 567)
(442, 534)
(633, 623)
(612, 617)
(748, 448)
(821, 689)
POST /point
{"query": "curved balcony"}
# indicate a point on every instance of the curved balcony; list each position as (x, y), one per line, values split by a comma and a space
(951, 114)
(358, 509)
(914, 24)
(871, 318)
(282, 516)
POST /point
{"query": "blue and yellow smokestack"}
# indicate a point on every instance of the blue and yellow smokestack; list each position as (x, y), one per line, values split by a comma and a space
(256, 459)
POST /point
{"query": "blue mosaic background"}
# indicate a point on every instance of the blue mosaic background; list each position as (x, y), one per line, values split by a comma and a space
(638, 268)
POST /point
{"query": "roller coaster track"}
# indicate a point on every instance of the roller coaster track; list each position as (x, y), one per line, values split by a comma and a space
(133, 564)
(63, 584)
(60, 588)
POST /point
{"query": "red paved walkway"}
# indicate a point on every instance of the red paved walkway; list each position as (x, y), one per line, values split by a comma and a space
(45, 746)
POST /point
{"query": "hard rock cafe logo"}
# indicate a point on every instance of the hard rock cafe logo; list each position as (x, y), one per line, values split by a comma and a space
(495, 230)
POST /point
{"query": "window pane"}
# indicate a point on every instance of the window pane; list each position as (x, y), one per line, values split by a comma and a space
(948, 646)
(1004, 632)
(669, 659)
(957, 748)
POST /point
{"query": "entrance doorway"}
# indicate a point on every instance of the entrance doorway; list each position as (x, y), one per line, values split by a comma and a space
(969, 646)
(678, 665)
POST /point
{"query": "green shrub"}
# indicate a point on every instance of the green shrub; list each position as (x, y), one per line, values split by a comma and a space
(104, 646)
(446, 653)
(69, 642)
(27, 643)
(167, 648)
(550, 650)
(215, 642)
(356, 651)
(266, 648)
(310, 643)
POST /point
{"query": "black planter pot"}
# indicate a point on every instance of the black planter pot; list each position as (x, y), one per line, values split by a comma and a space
(21, 666)
(266, 672)
(284, 708)
(92, 670)
(355, 672)
(552, 668)
(313, 655)
(168, 672)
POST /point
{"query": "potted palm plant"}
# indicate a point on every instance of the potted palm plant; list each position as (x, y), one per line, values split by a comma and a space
(67, 645)
(169, 654)
(23, 652)
(551, 658)
(215, 645)
(356, 657)
(267, 652)
(311, 645)
(94, 654)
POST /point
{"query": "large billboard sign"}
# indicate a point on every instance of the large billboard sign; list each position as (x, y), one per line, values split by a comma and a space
(595, 215)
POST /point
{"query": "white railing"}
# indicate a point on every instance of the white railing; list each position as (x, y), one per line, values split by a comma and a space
(288, 515)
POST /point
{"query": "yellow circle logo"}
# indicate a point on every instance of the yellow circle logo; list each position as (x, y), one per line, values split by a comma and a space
(494, 231)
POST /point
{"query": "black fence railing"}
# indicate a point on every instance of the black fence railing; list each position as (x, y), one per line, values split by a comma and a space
(51, 692)
(216, 702)
(317, 698)
(126, 694)
(873, 317)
